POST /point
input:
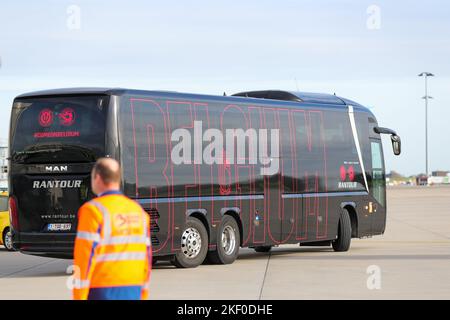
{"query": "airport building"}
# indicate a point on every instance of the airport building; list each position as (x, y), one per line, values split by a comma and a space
(439, 177)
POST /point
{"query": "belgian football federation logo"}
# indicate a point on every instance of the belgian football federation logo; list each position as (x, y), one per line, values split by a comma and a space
(350, 172)
(347, 175)
(46, 118)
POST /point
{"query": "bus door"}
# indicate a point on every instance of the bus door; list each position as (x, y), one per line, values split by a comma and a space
(377, 186)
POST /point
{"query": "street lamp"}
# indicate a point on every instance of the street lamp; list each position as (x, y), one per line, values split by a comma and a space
(426, 98)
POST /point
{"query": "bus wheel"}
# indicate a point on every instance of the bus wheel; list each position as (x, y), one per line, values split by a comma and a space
(194, 245)
(263, 248)
(342, 243)
(7, 239)
(228, 242)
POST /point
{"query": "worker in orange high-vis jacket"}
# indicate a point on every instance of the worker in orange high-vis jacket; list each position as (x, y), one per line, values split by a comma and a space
(112, 255)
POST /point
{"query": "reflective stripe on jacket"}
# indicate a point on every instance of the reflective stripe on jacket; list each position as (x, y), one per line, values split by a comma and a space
(112, 254)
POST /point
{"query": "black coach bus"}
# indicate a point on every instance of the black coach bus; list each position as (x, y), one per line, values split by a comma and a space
(215, 173)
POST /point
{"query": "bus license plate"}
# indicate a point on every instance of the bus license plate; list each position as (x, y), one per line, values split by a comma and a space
(59, 226)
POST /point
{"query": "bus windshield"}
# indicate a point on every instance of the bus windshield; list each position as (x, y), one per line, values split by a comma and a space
(64, 129)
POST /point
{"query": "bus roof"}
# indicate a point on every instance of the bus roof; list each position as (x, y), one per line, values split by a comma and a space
(266, 95)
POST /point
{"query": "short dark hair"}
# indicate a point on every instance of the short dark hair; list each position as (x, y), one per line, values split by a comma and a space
(108, 169)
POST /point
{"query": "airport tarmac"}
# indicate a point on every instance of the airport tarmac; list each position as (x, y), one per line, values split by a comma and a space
(410, 261)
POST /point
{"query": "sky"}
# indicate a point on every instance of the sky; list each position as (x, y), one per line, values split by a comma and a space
(367, 51)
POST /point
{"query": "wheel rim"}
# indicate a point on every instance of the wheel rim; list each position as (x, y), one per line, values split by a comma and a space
(191, 243)
(8, 240)
(228, 240)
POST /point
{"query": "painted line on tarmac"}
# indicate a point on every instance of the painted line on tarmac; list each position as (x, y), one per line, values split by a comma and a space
(264, 279)
(412, 242)
(376, 257)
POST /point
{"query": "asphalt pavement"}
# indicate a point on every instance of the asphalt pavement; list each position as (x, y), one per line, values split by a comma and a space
(410, 261)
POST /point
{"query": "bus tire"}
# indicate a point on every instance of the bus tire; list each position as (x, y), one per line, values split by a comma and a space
(7, 239)
(344, 236)
(262, 248)
(228, 242)
(194, 245)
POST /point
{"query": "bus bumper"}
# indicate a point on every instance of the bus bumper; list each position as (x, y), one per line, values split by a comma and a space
(44, 244)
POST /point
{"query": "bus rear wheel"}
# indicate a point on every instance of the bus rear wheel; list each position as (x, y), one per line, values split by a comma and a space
(228, 242)
(194, 245)
(344, 237)
(7, 239)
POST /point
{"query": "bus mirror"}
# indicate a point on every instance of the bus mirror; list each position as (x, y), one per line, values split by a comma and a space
(396, 144)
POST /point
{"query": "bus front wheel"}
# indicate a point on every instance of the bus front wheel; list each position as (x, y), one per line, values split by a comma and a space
(194, 245)
(344, 236)
(228, 242)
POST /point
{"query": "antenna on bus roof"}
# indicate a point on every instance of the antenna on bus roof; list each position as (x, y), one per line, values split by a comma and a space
(224, 94)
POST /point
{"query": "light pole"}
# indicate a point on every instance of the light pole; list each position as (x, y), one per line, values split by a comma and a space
(426, 97)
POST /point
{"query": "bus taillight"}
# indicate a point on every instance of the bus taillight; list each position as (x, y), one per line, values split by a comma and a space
(13, 217)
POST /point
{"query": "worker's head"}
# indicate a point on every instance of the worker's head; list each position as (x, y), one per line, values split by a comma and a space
(105, 175)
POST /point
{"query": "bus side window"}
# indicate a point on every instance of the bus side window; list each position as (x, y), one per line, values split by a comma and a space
(378, 184)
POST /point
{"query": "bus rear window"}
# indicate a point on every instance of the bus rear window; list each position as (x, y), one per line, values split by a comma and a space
(68, 129)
